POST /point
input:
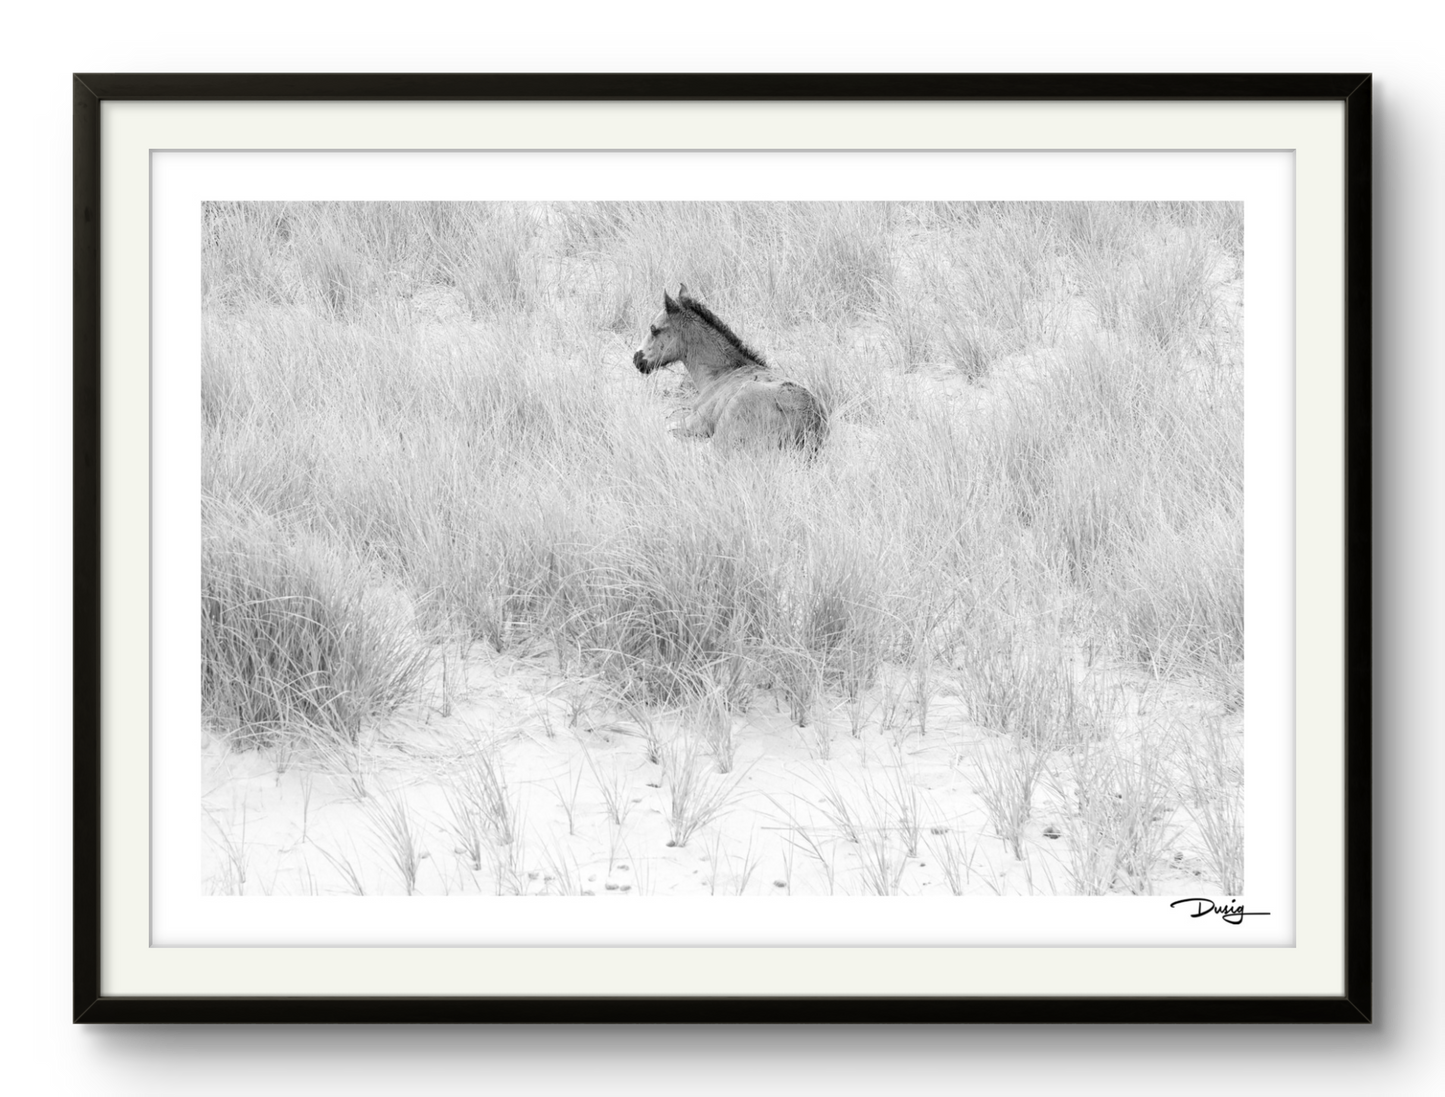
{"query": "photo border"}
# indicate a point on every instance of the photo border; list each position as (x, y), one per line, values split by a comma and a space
(1353, 91)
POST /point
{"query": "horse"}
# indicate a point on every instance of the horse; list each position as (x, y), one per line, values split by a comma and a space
(740, 401)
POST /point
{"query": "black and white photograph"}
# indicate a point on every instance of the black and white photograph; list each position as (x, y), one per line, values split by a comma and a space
(829, 560)
(650, 549)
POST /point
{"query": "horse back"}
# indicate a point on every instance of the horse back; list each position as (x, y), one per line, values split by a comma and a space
(772, 411)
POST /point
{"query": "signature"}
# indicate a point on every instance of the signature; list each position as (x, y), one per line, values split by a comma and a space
(1233, 913)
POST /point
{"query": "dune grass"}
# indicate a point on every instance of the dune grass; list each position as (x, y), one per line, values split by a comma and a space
(421, 424)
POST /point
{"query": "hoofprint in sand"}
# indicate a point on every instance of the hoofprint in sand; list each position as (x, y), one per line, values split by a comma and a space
(521, 781)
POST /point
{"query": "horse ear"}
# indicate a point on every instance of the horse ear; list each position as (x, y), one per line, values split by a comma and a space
(668, 303)
(682, 289)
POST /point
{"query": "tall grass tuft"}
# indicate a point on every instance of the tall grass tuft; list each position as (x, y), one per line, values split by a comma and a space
(294, 631)
(391, 820)
(1213, 797)
(695, 797)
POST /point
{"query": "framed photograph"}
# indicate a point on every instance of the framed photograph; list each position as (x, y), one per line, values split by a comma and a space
(721, 548)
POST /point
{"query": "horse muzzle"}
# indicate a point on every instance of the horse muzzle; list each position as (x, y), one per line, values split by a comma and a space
(642, 364)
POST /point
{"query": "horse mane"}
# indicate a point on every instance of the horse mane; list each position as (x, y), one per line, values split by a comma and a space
(708, 317)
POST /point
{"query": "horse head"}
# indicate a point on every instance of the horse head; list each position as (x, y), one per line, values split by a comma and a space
(665, 343)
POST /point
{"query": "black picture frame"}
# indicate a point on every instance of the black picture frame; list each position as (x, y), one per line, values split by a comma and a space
(91, 90)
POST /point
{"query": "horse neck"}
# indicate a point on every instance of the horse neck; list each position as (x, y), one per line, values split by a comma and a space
(710, 357)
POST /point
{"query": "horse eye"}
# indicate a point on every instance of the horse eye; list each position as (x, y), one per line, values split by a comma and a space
(656, 330)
